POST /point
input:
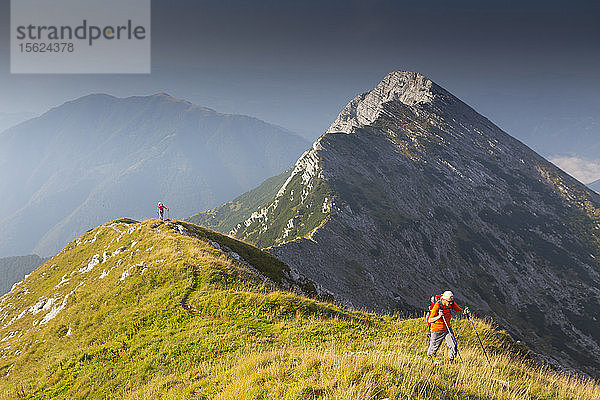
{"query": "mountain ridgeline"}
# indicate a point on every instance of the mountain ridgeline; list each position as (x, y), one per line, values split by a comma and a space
(8, 120)
(99, 157)
(410, 192)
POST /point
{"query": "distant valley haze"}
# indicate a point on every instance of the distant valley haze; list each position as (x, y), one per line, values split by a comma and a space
(101, 157)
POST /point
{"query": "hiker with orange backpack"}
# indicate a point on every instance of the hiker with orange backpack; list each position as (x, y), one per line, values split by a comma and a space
(439, 317)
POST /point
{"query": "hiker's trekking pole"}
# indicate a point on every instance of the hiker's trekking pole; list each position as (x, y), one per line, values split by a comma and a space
(453, 337)
(484, 352)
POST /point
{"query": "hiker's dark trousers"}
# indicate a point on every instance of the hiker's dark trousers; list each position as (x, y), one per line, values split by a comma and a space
(436, 340)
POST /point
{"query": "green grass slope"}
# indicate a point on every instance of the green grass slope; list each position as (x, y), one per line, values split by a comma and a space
(169, 310)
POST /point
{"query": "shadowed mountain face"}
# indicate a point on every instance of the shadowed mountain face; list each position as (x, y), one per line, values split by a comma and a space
(411, 192)
(99, 157)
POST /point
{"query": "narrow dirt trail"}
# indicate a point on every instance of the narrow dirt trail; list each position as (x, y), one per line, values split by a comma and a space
(185, 300)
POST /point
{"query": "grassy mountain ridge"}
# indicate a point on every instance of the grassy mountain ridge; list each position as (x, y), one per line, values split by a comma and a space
(171, 310)
(295, 208)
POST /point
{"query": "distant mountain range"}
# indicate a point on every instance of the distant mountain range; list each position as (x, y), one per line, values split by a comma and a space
(595, 186)
(564, 136)
(100, 157)
(411, 192)
(8, 120)
(13, 269)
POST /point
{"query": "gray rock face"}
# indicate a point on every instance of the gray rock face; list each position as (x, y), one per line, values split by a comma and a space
(422, 195)
(409, 88)
(99, 158)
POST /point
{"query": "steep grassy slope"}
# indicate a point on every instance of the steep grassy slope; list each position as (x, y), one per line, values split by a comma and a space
(171, 310)
(294, 209)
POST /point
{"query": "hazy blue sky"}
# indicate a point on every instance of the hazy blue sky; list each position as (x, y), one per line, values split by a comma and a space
(297, 63)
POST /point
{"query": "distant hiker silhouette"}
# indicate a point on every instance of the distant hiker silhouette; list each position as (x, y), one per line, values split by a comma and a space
(160, 210)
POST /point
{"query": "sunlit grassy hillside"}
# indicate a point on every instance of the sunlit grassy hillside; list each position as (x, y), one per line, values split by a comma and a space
(170, 310)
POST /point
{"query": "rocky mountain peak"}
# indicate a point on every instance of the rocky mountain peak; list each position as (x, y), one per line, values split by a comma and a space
(424, 193)
(410, 88)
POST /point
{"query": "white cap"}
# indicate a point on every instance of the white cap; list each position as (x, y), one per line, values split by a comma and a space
(448, 295)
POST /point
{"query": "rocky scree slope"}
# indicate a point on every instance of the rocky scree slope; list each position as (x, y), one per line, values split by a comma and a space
(411, 191)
